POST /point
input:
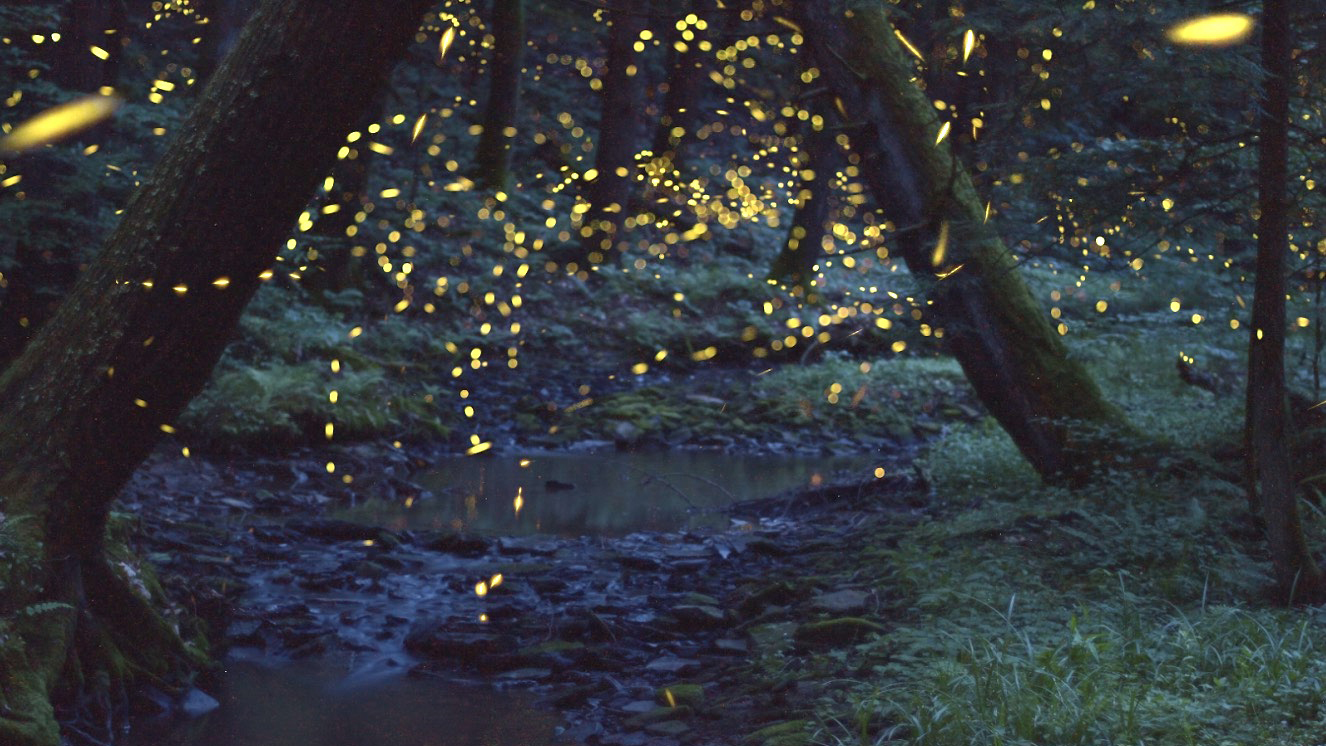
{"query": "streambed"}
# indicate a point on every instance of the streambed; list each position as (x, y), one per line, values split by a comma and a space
(372, 614)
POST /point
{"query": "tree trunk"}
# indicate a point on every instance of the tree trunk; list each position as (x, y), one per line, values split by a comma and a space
(1014, 359)
(1267, 415)
(619, 137)
(85, 25)
(685, 80)
(143, 327)
(821, 157)
(225, 21)
(493, 159)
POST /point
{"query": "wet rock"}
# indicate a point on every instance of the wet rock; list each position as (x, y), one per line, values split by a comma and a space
(576, 696)
(835, 632)
(658, 714)
(334, 530)
(197, 702)
(462, 545)
(672, 665)
(842, 602)
(639, 562)
(639, 707)
(692, 617)
(451, 640)
(670, 728)
(535, 545)
(730, 646)
(525, 675)
(581, 732)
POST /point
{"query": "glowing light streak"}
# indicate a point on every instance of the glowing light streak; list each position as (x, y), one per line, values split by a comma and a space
(58, 122)
(910, 47)
(968, 44)
(478, 448)
(949, 272)
(1215, 30)
(444, 43)
(943, 132)
(418, 127)
(941, 246)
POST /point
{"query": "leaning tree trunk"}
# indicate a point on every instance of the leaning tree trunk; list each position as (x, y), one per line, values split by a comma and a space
(1014, 359)
(1267, 414)
(493, 159)
(143, 327)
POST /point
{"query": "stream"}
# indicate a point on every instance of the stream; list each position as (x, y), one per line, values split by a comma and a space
(289, 679)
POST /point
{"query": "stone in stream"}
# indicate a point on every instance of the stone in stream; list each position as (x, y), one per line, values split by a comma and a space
(692, 617)
(197, 702)
(835, 632)
(462, 545)
(846, 601)
(457, 641)
(672, 665)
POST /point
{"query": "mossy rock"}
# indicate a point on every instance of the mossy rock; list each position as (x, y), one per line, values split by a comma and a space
(682, 694)
(659, 715)
(834, 632)
(787, 733)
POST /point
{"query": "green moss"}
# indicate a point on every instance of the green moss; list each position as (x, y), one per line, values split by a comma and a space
(691, 695)
(836, 632)
(786, 733)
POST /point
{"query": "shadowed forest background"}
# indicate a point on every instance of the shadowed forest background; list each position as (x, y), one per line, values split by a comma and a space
(984, 276)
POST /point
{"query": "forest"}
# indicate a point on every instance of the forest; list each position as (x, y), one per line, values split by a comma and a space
(644, 373)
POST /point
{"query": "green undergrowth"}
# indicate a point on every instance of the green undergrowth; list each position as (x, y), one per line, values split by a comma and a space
(1128, 612)
(837, 402)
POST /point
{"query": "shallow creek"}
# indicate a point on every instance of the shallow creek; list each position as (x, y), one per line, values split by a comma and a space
(355, 601)
(595, 494)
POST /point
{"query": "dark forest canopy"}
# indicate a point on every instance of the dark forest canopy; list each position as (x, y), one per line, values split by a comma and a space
(550, 206)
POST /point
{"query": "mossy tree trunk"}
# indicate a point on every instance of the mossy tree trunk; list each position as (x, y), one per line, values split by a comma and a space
(1268, 423)
(139, 334)
(1012, 356)
(493, 159)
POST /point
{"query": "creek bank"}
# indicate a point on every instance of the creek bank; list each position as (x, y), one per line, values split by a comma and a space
(650, 639)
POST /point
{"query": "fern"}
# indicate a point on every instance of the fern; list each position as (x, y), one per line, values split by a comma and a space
(45, 607)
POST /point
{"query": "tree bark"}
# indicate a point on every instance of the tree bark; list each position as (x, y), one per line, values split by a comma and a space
(85, 25)
(1012, 356)
(493, 159)
(619, 137)
(804, 245)
(686, 70)
(1268, 424)
(144, 325)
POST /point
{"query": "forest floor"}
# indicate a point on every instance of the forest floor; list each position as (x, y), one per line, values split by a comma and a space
(956, 600)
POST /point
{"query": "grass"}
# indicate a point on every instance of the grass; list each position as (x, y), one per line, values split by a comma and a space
(1129, 612)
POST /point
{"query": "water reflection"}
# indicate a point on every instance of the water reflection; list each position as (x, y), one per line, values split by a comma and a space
(312, 704)
(591, 493)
